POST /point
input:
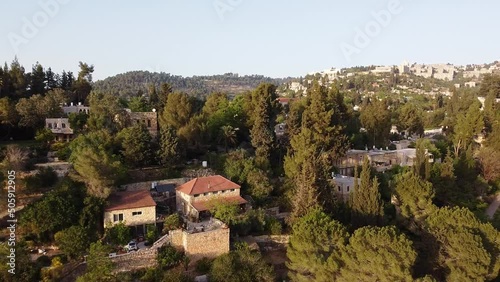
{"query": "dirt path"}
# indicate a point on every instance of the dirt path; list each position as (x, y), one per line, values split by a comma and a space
(490, 211)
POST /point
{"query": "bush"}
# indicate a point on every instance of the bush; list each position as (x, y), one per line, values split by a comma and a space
(152, 234)
(171, 222)
(63, 154)
(274, 226)
(203, 265)
(44, 178)
(43, 261)
(151, 275)
(169, 257)
(119, 234)
(53, 273)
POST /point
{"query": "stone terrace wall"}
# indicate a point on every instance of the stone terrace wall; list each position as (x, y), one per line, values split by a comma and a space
(207, 244)
(135, 260)
(140, 259)
(176, 237)
(277, 239)
(147, 184)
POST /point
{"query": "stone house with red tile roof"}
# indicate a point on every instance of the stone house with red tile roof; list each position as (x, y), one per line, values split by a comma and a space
(194, 197)
(134, 208)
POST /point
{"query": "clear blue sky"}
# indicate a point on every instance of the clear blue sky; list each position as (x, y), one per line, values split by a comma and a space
(275, 38)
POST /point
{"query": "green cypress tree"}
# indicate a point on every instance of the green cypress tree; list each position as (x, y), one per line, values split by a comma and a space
(366, 203)
(262, 113)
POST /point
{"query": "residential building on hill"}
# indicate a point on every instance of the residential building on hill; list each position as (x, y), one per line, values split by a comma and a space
(194, 198)
(134, 208)
(344, 186)
(150, 119)
(76, 109)
(381, 160)
(61, 129)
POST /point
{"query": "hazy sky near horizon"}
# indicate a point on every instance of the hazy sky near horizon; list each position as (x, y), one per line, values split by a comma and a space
(275, 38)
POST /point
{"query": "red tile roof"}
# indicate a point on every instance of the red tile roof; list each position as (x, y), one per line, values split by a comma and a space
(202, 185)
(204, 205)
(285, 100)
(130, 200)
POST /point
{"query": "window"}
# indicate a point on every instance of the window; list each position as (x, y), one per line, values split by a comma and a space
(63, 125)
(347, 188)
(340, 189)
(50, 125)
(149, 123)
(232, 190)
(136, 213)
(206, 194)
(118, 217)
(197, 195)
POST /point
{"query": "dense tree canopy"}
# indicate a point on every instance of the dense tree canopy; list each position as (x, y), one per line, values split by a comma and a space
(315, 248)
(241, 265)
(366, 203)
(95, 162)
(379, 253)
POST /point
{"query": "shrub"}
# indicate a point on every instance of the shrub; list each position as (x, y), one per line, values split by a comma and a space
(171, 222)
(274, 226)
(169, 257)
(203, 265)
(44, 178)
(152, 234)
(43, 261)
(119, 234)
(151, 275)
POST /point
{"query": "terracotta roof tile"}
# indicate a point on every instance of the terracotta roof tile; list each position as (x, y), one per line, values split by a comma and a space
(130, 200)
(202, 185)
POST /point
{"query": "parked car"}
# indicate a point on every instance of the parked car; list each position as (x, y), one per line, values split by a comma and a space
(131, 246)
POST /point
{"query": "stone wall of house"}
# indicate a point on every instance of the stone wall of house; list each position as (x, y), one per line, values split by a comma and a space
(148, 216)
(183, 200)
(218, 194)
(150, 119)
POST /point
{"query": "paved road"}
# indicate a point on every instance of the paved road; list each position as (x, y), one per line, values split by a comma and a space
(490, 211)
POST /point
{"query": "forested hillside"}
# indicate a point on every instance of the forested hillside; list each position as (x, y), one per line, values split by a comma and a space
(137, 82)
